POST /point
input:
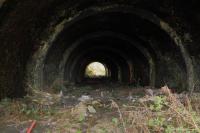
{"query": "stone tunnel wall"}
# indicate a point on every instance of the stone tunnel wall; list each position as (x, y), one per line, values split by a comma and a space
(28, 29)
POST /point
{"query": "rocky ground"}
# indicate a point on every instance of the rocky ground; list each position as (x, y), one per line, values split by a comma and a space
(100, 109)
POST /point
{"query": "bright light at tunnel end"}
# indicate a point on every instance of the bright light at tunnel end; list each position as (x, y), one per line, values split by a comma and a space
(95, 69)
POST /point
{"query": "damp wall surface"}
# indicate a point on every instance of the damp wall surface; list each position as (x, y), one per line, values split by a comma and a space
(141, 41)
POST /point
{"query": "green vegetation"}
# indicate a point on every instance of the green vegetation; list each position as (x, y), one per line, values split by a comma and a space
(162, 113)
(20, 110)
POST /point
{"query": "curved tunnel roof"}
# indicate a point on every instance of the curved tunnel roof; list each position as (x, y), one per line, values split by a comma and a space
(146, 42)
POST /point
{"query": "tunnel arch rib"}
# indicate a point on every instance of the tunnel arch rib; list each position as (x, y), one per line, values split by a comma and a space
(37, 65)
(135, 44)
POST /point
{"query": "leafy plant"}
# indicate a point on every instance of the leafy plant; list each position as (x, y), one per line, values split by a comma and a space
(158, 103)
(115, 121)
(81, 117)
(79, 131)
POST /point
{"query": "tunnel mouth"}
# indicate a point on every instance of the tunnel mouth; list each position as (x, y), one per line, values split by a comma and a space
(132, 43)
(96, 73)
(96, 70)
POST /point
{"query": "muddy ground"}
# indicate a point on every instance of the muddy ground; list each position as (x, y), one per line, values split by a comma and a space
(100, 109)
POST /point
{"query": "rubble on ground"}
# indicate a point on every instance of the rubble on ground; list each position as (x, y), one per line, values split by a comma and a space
(128, 110)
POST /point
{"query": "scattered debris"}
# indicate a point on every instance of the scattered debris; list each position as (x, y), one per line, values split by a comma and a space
(85, 98)
(123, 111)
(91, 109)
(43, 98)
(80, 110)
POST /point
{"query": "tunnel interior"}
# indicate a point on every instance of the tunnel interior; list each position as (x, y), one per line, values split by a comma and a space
(140, 43)
(133, 48)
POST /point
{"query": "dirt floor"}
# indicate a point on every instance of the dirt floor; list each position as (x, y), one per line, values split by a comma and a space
(102, 109)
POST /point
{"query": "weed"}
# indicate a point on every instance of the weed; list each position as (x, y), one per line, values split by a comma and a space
(81, 118)
(162, 113)
(158, 103)
(115, 121)
(79, 131)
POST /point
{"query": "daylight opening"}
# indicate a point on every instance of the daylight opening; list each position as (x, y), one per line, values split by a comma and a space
(96, 70)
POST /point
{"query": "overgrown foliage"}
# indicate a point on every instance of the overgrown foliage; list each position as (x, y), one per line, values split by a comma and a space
(162, 112)
(166, 113)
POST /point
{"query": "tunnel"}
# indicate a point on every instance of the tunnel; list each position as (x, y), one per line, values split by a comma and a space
(140, 42)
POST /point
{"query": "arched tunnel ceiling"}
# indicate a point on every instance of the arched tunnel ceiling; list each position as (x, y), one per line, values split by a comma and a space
(158, 40)
(107, 45)
(117, 20)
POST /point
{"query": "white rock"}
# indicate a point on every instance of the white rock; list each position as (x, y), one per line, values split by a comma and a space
(85, 98)
(91, 109)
